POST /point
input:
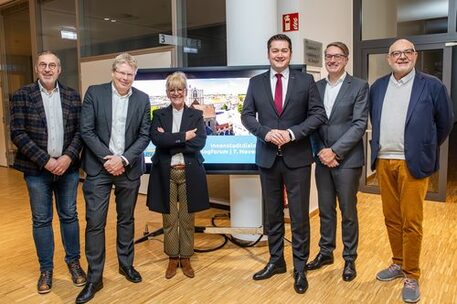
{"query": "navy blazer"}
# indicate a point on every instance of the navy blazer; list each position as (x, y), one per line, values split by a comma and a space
(170, 143)
(96, 121)
(346, 125)
(28, 127)
(302, 113)
(429, 120)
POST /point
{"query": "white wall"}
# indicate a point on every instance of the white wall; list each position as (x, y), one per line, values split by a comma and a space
(99, 71)
(326, 21)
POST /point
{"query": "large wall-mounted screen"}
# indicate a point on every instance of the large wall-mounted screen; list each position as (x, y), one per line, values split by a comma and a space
(219, 92)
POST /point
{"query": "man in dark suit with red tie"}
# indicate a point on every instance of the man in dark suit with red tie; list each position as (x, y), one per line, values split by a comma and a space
(282, 108)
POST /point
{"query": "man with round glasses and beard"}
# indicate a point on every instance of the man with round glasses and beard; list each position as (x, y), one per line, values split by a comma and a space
(411, 115)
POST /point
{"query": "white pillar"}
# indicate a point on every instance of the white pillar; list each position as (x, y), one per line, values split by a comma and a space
(249, 26)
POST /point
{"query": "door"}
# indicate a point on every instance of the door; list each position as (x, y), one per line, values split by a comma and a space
(16, 67)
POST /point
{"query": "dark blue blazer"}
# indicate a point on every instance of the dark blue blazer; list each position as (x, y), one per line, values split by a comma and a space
(429, 121)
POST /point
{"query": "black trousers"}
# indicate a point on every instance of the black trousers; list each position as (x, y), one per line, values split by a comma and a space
(297, 182)
(97, 190)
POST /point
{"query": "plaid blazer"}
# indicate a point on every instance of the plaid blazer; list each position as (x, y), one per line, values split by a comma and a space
(28, 127)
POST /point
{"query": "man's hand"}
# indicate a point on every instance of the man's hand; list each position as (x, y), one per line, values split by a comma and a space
(278, 137)
(191, 134)
(114, 165)
(62, 164)
(328, 157)
(51, 165)
(160, 130)
(333, 164)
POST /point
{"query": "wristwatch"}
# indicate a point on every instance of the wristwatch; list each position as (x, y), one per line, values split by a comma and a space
(124, 162)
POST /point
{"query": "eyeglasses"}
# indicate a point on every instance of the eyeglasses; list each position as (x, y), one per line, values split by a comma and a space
(397, 54)
(43, 65)
(179, 91)
(338, 57)
(128, 75)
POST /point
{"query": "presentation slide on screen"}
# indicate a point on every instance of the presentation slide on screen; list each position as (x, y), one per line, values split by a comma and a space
(221, 100)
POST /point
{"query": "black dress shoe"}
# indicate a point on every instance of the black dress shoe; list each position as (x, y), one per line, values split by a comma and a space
(130, 274)
(301, 283)
(269, 271)
(88, 292)
(349, 272)
(320, 261)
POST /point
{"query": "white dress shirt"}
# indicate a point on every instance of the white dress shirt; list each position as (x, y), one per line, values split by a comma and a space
(120, 106)
(331, 92)
(54, 120)
(177, 159)
(285, 83)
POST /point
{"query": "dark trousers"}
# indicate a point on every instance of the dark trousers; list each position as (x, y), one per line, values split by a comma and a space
(343, 184)
(297, 182)
(97, 190)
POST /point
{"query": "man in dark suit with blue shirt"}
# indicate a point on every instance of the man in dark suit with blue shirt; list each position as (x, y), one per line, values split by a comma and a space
(115, 122)
(45, 129)
(411, 115)
(338, 148)
(282, 108)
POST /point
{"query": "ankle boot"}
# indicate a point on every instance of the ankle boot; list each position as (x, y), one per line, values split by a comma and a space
(186, 267)
(171, 269)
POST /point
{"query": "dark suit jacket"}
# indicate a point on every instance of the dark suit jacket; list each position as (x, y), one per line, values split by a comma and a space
(429, 121)
(347, 123)
(28, 127)
(167, 144)
(96, 121)
(302, 113)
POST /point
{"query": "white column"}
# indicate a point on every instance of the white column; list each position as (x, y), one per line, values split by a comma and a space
(249, 26)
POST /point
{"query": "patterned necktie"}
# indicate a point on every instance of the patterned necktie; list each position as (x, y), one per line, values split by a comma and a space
(278, 94)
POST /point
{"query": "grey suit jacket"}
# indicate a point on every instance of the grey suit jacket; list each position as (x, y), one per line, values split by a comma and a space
(302, 113)
(96, 120)
(347, 123)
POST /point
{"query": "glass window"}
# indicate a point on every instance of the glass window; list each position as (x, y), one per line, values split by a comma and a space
(56, 31)
(207, 31)
(393, 18)
(108, 26)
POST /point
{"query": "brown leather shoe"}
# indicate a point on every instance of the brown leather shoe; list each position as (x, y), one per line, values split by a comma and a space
(45, 282)
(78, 276)
(186, 267)
(171, 269)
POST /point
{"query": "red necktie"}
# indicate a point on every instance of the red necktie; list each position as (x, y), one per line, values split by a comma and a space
(278, 94)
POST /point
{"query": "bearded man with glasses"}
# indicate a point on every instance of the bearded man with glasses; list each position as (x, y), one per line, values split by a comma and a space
(45, 129)
(411, 116)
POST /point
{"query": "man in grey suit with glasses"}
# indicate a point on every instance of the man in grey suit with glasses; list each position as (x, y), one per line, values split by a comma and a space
(338, 149)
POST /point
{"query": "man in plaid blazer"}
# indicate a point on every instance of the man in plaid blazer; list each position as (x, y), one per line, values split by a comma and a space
(45, 128)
